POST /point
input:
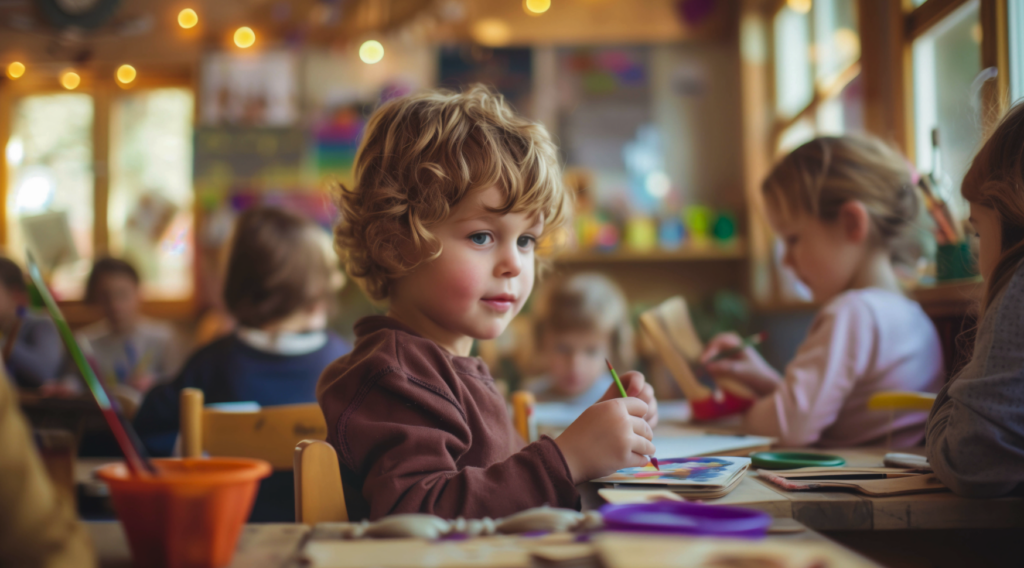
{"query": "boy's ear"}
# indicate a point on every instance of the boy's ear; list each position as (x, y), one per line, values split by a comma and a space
(855, 220)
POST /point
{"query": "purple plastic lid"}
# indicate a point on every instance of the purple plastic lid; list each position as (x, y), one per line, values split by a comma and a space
(677, 517)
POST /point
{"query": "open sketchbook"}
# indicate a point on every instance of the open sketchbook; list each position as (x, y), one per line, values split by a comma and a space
(682, 474)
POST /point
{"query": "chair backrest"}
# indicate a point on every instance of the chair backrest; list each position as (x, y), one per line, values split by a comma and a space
(269, 433)
(319, 495)
(902, 401)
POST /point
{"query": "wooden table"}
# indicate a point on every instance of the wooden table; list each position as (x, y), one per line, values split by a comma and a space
(905, 531)
(842, 510)
(279, 545)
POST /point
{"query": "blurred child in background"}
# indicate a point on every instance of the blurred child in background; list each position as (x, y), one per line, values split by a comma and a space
(277, 287)
(841, 205)
(579, 322)
(129, 348)
(31, 347)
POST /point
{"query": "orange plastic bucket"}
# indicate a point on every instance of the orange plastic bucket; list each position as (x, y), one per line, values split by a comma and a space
(188, 516)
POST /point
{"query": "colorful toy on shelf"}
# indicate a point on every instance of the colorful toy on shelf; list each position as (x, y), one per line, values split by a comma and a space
(607, 237)
(724, 228)
(641, 234)
(671, 233)
(699, 220)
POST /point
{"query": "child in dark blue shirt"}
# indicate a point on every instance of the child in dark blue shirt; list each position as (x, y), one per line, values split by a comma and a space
(277, 287)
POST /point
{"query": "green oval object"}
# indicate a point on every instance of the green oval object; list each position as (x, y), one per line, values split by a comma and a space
(793, 460)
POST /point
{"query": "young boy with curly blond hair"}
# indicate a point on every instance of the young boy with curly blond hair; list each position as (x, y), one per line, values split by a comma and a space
(451, 194)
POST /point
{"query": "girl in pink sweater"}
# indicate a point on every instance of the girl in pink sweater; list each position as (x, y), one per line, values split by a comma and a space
(841, 205)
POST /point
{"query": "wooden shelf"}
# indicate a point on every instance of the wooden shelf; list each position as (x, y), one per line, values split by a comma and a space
(733, 251)
(953, 298)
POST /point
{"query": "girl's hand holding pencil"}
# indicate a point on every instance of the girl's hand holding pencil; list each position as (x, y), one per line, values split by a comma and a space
(728, 354)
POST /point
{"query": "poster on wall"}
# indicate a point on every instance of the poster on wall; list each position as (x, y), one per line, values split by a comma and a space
(249, 89)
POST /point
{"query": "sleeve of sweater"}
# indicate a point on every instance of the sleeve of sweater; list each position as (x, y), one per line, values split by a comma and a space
(974, 439)
(826, 366)
(37, 354)
(404, 437)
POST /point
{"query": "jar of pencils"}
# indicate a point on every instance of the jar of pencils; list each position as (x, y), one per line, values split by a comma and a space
(954, 261)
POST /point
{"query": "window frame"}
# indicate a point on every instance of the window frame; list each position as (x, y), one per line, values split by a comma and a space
(98, 82)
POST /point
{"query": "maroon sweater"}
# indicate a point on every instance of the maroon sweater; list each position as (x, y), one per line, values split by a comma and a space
(419, 430)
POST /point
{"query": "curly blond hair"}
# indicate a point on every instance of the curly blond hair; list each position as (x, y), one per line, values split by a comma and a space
(423, 154)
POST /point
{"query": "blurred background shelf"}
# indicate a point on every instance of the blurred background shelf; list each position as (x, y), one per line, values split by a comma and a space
(735, 250)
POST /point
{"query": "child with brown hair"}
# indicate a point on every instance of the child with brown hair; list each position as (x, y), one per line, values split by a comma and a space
(976, 428)
(580, 321)
(841, 206)
(452, 192)
(130, 349)
(277, 288)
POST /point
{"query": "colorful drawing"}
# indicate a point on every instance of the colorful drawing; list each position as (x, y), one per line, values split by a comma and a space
(682, 471)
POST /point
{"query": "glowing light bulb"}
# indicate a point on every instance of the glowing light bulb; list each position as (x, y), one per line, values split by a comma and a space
(70, 80)
(16, 69)
(536, 7)
(188, 18)
(245, 37)
(799, 6)
(126, 74)
(371, 51)
(491, 32)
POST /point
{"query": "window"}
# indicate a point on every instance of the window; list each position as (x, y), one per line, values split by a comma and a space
(149, 215)
(816, 61)
(50, 171)
(102, 171)
(947, 85)
(1015, 25)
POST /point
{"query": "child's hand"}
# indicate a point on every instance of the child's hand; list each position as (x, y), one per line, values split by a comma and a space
(747, 366)
(607, 437)
(636, 386)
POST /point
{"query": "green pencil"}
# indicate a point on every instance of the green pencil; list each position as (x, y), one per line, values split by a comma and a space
(618, 382)
(622, 391)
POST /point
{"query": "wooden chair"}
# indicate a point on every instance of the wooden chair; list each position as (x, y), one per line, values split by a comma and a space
(319, 495)
(269, 433)
(900, 401)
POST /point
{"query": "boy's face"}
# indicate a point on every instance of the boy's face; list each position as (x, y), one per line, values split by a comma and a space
(479, 282)
(118, 297)
(575, 359)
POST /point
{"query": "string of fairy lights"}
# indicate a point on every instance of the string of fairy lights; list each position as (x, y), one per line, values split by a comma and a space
(371, 51)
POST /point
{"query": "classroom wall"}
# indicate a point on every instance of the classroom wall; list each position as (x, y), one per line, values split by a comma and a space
(696, 104)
